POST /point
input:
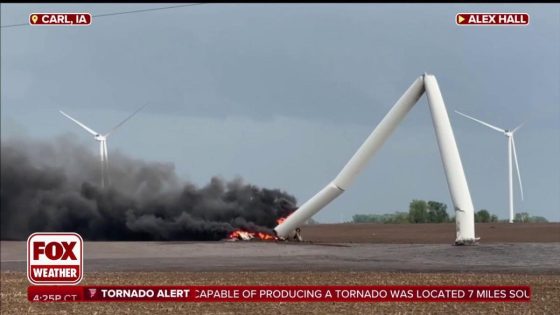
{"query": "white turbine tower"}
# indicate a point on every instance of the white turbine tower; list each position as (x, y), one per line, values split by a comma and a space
(511, 151)
(102, 139)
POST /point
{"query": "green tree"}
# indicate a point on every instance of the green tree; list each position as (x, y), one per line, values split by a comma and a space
(437, 212)
(360, 218)
(482, 216)
(522, 217)
(397, 218)
(538, 219)
(525, 217)
(418, 211)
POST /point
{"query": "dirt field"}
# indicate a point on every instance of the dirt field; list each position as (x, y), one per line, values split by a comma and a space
(545, 291)
(430, 233)
(341, 254)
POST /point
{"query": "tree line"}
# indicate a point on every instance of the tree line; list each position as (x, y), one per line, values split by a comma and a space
(421, 211)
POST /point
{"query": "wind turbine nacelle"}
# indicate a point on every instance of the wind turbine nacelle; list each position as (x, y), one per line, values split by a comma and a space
(99, 137)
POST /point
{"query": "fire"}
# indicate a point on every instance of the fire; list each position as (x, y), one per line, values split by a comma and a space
(282, 219)
(247, 236)
(265, 236)
(242, 235)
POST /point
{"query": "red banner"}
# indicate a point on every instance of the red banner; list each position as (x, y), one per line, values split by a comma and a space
(60, 19)
(492, 19)
(279, 293)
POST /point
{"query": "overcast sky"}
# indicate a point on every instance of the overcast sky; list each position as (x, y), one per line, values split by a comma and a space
(283, 94)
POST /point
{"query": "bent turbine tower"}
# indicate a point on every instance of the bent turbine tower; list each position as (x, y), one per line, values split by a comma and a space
(456, 180)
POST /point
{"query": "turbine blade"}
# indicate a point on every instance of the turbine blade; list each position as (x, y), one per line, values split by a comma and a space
(518, 127)
(122, 122)
(101, 154)
(93, 132)
(106, 163)
(102, 164)
(517, 166)
(106, 153)
(481, 122)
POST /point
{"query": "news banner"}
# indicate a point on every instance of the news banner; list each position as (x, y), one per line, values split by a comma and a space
(270, 293)
(55, 267)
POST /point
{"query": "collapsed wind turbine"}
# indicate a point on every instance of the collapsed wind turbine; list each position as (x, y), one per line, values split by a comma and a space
(456, 179)
(511, 148)
(102, 139)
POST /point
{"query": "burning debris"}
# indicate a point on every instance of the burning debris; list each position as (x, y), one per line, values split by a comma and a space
(242, 235)
(52, 186)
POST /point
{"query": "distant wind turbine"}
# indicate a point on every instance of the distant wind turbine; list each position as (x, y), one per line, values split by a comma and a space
(511, 148)
(102, 139)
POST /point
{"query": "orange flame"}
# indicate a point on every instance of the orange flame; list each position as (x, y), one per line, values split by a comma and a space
(266, 237)
(282, 219)
(247, 236)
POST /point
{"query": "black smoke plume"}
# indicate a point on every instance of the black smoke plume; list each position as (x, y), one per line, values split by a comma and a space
(54, 186)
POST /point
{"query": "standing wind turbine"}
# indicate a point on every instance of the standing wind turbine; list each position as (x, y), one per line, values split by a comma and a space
(102, 139)
(511, 148)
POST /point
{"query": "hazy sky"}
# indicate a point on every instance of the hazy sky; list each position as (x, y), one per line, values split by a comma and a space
(283, 94)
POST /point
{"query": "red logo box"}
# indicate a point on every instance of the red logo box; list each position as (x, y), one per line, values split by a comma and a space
(489, 19)
(75, 19)
(55, 258)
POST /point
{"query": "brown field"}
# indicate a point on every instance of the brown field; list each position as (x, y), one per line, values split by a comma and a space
(430, 233)
(334, 254)
(545, 293)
